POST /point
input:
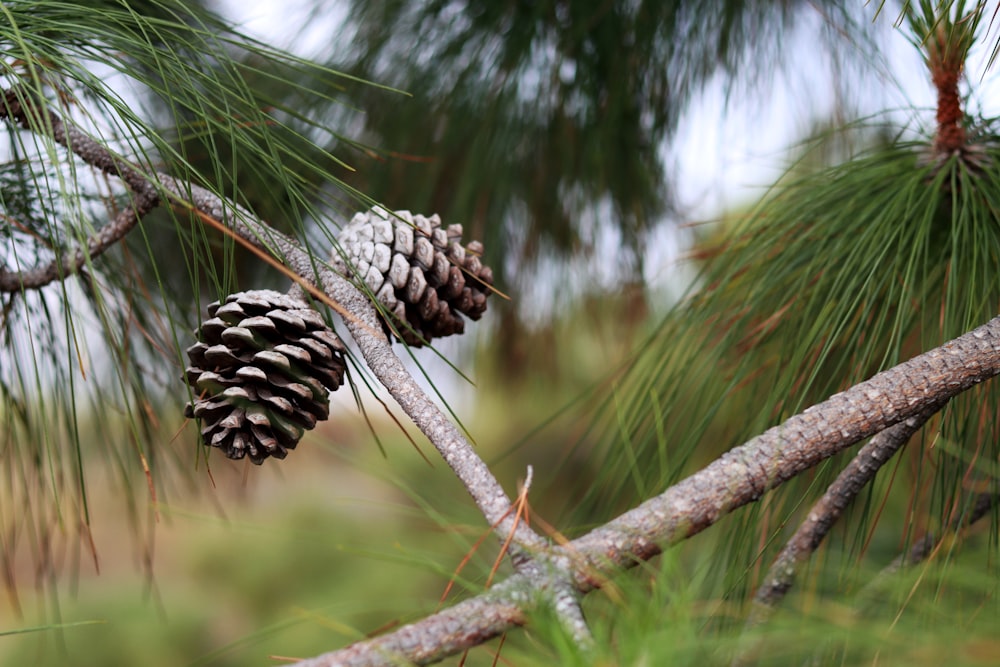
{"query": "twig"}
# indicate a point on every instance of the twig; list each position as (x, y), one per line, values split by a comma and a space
(820, 519)
(737, 478)
(62, 267)
(16, 106)
(454, 448)
(852, 479)
(565, 600)
(919, 551)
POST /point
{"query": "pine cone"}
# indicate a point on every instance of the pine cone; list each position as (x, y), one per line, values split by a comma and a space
(420, 272)
(262, 372)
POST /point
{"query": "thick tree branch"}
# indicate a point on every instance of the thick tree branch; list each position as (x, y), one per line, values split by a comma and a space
(450, 631)
(745, 473)
(739, 477)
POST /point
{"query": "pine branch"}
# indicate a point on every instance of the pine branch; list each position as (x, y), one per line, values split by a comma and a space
(821, 517)
(745, 473)
(62, 267)
(145, 197)
(360, 315)
(907, 391)
(737, 478)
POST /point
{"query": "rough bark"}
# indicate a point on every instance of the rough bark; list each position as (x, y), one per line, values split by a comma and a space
(448, 632)
(743, 474)
(910, 390)
(821, 517)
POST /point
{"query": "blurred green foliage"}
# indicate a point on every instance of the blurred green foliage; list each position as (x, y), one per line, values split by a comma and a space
(340, 541)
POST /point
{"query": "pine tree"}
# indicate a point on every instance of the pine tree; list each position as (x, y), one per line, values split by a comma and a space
(852, 303)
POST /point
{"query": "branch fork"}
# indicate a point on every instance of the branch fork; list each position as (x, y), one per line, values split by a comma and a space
(527, 549)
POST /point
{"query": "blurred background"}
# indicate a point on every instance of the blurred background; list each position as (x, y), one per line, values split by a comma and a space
(594, 147)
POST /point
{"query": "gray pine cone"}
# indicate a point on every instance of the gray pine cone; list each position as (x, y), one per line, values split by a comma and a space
(419, 271)
(261, 371)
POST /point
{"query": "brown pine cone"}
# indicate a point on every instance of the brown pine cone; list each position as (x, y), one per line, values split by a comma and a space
(261, 372)
(419, 271)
